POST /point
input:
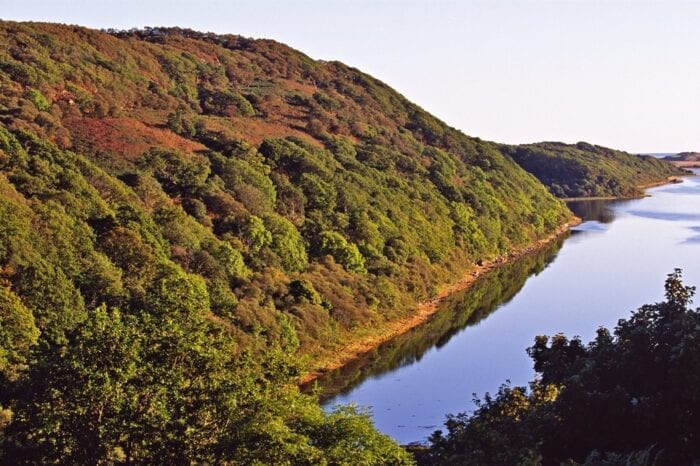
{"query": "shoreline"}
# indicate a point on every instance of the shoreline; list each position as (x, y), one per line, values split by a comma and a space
(425, 309)
(669, 180)
(686, 163)
(597, 198)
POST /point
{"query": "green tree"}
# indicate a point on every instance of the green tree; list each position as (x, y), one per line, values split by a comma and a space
(255, 235)
(627, 395)
(167, 386)
(177, 172)
(346, 254)
(287, 243)
(18, 333)
(38, 99)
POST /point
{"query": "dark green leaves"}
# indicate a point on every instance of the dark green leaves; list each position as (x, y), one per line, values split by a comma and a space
(627, 395)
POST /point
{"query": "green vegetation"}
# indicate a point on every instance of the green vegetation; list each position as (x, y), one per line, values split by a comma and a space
(629, 397)
(187, 219)
(585, 170)
(249, 165)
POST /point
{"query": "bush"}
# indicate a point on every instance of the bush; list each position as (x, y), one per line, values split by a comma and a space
(346, 254)
(38, 99)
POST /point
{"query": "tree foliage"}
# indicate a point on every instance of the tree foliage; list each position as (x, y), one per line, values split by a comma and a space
(239, 160)
(627, 397)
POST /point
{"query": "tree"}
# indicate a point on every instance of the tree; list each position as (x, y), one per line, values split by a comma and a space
(287, 243)
(255, 235)
(168, 386)
(627, 395)
(346, 254)
(18, 333)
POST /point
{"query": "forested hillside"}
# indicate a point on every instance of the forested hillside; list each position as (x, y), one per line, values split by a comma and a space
(585, 170)
(302, 194)
(185, 214)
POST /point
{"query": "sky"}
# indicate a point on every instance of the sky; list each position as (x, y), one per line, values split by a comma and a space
(623, 74)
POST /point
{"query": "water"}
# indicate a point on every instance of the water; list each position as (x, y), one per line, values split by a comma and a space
(611, 264)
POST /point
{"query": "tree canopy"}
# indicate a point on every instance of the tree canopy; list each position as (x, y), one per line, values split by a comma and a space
(245, 163)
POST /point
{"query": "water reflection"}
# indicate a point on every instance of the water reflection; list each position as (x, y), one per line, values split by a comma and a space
(592, 225)
(696, 237)
(600, 274)
(458, 311)
(593, 209)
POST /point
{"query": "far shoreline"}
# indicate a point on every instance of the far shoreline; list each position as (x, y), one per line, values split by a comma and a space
(670, 180)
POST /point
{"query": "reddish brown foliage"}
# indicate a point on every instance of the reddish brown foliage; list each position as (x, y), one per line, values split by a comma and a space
(126, 136)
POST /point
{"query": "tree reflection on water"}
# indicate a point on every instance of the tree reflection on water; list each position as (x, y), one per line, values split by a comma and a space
(457, 311)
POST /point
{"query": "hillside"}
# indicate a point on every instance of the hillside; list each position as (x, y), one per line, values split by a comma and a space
(186, 216)
(585, 170)
(299, 191)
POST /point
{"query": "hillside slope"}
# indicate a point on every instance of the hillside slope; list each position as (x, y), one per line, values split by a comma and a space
(301, 192)
(585, 170)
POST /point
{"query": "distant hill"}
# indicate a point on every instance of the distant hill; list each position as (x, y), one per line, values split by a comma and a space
(658, 155)
(685, 159)
(585, 170)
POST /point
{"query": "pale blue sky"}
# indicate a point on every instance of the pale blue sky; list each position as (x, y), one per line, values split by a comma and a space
(621, 74)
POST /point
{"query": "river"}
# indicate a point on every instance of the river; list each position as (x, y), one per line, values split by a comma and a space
(612, 263)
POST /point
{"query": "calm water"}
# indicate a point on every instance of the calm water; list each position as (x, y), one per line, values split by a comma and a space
(611, 264)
